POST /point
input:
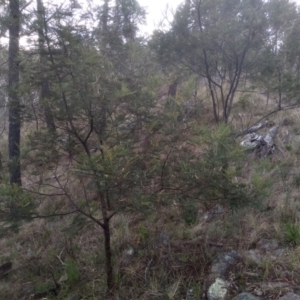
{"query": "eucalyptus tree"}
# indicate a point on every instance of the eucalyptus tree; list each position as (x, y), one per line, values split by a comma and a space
(276, 72)
(218, 40)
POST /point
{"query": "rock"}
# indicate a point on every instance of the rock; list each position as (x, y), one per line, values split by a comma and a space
(128, 255)
(253, 256)
(190, 295)
(218, 290)
(268, 245)
(219, 269)
(290, 296)
(163, 239)
(258, 292)
(129, 251)
(220, 266)
(278, 253)
(245, 296)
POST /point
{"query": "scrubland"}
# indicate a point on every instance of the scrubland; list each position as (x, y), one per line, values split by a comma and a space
(163, 249)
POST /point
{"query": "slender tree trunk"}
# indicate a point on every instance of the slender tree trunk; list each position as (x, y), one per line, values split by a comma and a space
(108, 255)
(14, 100)
(45, 90)
(107, 246)
(279, 89)
(207, 71)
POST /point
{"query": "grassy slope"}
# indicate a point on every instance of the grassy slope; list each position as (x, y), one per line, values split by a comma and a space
(159, 256)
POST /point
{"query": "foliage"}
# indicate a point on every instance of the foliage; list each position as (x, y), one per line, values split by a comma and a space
(199, 41)
(115, 144)
(292, 233)
(16, 206)
(72, 271)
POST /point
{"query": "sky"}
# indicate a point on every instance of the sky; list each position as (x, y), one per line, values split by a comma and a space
(156, 11)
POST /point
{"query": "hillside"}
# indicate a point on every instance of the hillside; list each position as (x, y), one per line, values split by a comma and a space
(158, 167)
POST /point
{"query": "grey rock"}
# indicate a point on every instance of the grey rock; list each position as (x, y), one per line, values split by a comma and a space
(190, 295)
(128, 255)
(163, 239)
(129, 251)
(223, 262)
(279, 252)
(268, 245)
(245, 296)
(218, 290)
(253, 256)
(290, 296)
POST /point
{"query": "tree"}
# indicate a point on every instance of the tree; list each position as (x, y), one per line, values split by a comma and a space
(45, 89)
(278, 63)
(90, 96)
(116, 148)
(14, 99)
(218, 40)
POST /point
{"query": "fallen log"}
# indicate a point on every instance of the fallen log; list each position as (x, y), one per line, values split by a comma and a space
(261, 145)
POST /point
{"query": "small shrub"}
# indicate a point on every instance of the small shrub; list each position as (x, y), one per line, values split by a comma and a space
(292, 233)
(143, 234)
(43, 287)
(72, 271)
(189, 214)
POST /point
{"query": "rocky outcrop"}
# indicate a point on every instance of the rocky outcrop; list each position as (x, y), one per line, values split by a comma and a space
(220, 283)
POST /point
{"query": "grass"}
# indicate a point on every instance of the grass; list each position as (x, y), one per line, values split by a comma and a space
(69, 250)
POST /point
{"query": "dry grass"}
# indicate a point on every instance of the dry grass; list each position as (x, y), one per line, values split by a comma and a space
(157, 255)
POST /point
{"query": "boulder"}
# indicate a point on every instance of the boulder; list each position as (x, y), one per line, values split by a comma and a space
(223, 262)
(290, 296)
(245, 296)
(218, 290)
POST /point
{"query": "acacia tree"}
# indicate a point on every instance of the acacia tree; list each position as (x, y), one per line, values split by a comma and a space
(218, 40)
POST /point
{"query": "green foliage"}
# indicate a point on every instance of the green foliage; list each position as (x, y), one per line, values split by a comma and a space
(212, 176)
(43, 287)
(199, 41)
(118, 146)
(189, 213)
(16, 206)
(244, 102)
(72, 271)
(292, 233)
(143, 234)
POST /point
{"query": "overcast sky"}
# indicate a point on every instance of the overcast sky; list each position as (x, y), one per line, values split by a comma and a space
(156, 11)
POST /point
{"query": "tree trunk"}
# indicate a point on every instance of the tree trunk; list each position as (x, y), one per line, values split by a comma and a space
(108, 256)
(107, 247)
(14, 100)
